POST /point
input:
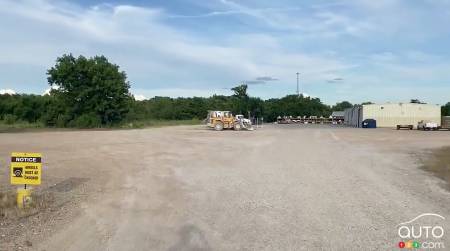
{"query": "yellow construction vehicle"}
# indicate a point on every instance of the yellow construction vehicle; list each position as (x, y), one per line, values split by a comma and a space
(220, 120)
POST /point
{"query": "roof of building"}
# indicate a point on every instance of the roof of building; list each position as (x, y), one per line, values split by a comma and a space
(401, 104)
(338, 114)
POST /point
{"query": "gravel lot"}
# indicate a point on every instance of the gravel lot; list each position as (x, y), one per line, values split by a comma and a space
(283, 187)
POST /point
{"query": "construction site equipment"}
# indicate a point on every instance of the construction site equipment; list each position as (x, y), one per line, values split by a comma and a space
(243, 122)
(220, 120)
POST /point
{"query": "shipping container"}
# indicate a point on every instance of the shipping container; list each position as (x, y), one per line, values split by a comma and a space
(391, 115)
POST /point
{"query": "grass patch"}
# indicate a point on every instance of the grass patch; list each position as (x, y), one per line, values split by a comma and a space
(7, 201)
(19, 126)
(159, 123)
(25, 126)
(9, 209)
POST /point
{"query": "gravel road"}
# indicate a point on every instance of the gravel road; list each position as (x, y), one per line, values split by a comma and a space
(282, 187)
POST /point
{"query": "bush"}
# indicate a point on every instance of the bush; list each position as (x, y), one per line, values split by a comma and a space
(86, 121)
(61, 121)
(10, 119)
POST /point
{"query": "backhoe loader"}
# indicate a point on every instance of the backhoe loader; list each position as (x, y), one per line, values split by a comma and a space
(219, 120)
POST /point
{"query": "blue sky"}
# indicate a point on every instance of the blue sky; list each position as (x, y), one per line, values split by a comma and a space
(356, 50)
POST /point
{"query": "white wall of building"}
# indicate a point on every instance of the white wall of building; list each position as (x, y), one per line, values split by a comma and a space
(391, 115)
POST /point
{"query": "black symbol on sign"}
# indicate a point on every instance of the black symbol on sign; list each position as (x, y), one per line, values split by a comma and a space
(17, 171)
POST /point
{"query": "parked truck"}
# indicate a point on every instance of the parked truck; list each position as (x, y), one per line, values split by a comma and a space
(427, 125)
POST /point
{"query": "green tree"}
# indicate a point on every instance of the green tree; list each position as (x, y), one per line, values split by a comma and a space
(91, 91)
(241, 100)
(240, 91)
(294, 105)
(342, 106)
(446, 109)
(23, 107)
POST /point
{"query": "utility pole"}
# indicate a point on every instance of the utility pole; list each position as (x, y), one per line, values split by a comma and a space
(298, 91)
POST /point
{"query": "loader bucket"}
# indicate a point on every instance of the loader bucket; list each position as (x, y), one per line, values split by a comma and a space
(247, 126)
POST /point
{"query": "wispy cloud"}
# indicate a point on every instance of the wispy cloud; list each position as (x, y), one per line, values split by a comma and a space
(373, 43)
(335, 80)
(266, 78)
(148, 49)
(254, 82)
(260, 80)
(240, 10)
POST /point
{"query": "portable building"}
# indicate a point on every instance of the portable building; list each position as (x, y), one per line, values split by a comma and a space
(391, 115)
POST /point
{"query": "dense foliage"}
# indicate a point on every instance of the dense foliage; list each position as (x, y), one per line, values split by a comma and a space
(87, 92)
(446, 109)
(27, 108)
(42, 109)
(342, 106)
(47, 109)
(196, 108)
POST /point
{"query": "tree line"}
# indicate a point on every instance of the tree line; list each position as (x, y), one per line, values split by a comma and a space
(92, 92)
(50, 111)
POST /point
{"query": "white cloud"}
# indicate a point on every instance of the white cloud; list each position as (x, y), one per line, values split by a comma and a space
(48, 90)
(162, 57)
(139, 97)
(7, 91)
(306, 95)
(150, 51)
(238, 10)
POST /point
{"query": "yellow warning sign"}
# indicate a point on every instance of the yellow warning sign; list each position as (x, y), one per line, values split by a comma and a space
(26, 168)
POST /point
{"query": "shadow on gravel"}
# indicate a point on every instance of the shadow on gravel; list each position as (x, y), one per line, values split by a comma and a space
(9, 210)
(17, 225)
(67, 185)
(51, 197)
(191, 238)
(439, 164)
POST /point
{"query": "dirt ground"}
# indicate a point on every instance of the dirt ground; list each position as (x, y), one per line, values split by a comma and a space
(438, 162)
(283, 187)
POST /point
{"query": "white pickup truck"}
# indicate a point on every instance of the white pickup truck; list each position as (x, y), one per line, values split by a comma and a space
(427, 125)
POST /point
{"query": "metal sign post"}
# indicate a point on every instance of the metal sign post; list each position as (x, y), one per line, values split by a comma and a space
(26, 169)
